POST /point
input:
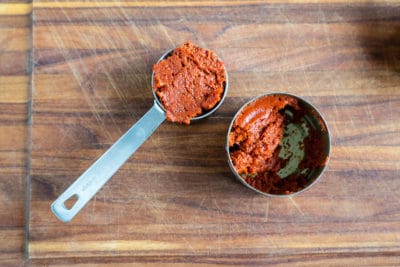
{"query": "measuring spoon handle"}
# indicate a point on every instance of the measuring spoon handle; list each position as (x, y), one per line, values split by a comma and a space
(93, 179)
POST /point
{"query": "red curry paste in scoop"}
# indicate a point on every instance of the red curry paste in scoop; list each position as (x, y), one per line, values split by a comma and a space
(255, 143)
(189, 82)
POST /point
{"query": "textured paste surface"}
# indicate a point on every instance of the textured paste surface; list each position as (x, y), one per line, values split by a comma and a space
(189, 82)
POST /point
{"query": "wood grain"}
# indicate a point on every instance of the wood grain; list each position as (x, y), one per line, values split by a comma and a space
(175, 201)
(92, 82)
(14, 98)
(331, 259)
(366, 92)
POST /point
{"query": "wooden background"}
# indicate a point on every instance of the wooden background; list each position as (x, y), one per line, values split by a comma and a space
(15, 47)
(175, 200)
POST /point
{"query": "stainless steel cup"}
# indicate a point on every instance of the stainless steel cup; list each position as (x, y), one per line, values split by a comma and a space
(314, 119)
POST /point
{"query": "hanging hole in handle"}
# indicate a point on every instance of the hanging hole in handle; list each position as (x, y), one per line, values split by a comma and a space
(70, 202)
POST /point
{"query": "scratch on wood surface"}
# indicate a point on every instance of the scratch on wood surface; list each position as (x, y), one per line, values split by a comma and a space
(369, 113)
(63, 135)
(106, 199)
(189, 245)
(118, 221)
(219, 226)
(390, 108)
(325, 26)
(306, 82)
(112, 82)
(93, 211)
(394, 127)
(104, 103)
(266, 215)
(296, 206)
(78, 77)
(352, 122)
(216, 205)
(101, 101)
(391, 192)
(166, 34)
(142, 37)
(76, 74)
(335, 108)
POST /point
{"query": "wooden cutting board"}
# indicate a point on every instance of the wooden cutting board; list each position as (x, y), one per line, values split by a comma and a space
(176, 195)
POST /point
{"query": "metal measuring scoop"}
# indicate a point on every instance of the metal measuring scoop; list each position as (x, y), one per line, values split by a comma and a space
(93, 179)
